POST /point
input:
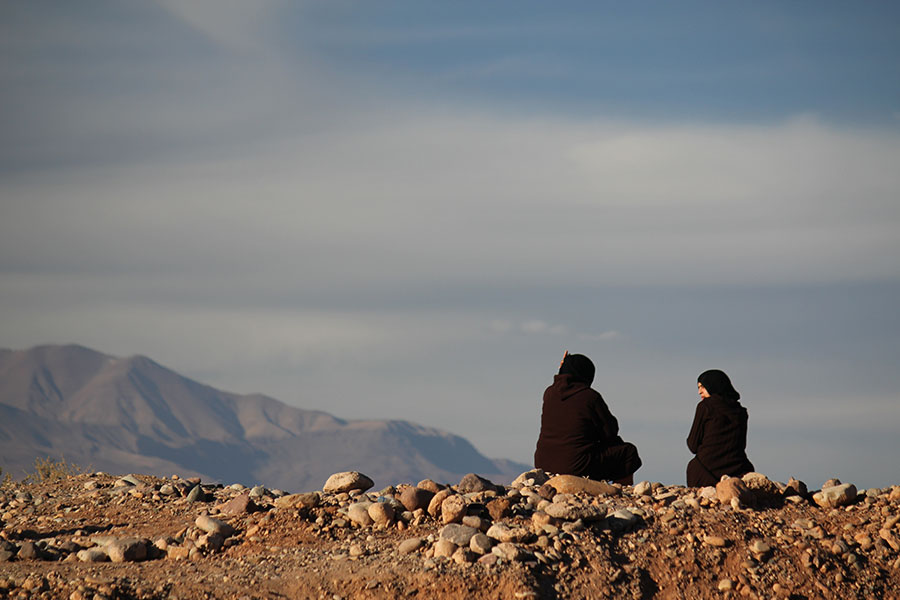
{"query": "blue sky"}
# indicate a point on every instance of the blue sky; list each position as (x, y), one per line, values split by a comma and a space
(411, 209)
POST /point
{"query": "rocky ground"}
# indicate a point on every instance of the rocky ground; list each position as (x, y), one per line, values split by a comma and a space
(96, 536)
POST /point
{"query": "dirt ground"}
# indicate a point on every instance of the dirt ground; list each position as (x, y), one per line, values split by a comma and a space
(681, 545)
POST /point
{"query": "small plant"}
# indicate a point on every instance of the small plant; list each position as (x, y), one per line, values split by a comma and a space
(47, 469)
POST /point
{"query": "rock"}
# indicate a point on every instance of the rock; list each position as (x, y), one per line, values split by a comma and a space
(211, 525)
(347, 481)
(733, 487)
(128, 549)
(623, 520)
(480, 543)
(453, 508)
(211, 541)
(359, 513)
(725, 585)
(258, 491)
(475, 522)
(411, 545)
(381, 513)
(888, 536)
(307, 500)
(474, 483)
(763, 489)
(93, 555)
(572, 512)
(534, 477)
(715, 541)
(643, 488)
(167, 489)
(444, 547)
(571, 484)
(509, 551)
(708, 492)
(430, 485)
(834, 481)
(834, 496)
(795, 487)
(240, 505)
(196, 494)
(29, 551)
(7, 550)
(415, 498)
(504, 533)
(759, 547)
(499, 508)
(458, 534)
(434, 507)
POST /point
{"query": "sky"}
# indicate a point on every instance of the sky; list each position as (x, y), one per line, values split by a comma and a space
(410, 209)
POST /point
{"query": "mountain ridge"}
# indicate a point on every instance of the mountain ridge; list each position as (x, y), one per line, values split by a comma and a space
(134, 414)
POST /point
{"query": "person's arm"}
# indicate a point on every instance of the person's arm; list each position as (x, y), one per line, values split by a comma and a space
(695, 437)
(606, 422)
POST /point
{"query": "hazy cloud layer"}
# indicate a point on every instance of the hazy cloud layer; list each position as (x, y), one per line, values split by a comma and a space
(374, 219)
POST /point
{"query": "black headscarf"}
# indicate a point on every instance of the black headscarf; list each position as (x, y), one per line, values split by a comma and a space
(717, 383)
(579, 368)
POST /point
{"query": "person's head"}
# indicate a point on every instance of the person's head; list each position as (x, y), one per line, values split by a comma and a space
(578, 367)
(716, 383)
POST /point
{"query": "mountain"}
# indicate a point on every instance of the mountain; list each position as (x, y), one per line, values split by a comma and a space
(133, 415)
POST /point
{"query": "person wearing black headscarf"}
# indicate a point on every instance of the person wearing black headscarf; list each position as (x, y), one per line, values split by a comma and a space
(719, 434)
(579, 436)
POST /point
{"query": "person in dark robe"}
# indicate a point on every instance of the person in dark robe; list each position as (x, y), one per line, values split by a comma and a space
(718, 436)
(579, 436)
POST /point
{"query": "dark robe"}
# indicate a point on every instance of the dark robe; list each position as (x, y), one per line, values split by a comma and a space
(719, 438)
(579, 436)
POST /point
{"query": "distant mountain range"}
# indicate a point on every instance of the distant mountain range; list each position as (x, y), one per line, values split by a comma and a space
(132, 415)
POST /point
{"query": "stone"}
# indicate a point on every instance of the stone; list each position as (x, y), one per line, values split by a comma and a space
(733, 488)
(458, 534)
(429, 485)
(128, 549)
(453, 508)
(240, 505)
(93, 555)
(479, 523)
(472, 483)
(463, 556)
(795, 487)
(382, 513)
(534, 477)
(504, 533)
(434, 507)
(211, 525)
(358, 512)
(834, 496)
(444, 548)
(347, 481)
(643, 488)
(415, 498)
(302, 501)
(411, 545)
(509, 551)
(258, 491)
(572, 484)
(211, 541)
(29, 551)
(196, 494)
(888, 536)
(572, 512)
(759, 547)
(623, 520)
(480, 543)
(499, 508)
(725, 585)
(715, 540)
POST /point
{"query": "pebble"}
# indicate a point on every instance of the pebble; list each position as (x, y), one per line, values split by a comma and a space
(725, 585)
(410, 545)
(715, 541)
(444, 548)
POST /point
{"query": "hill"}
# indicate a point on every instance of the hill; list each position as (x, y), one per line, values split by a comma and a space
(134, 415)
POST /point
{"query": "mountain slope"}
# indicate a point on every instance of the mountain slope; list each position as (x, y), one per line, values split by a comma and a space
(132, 414)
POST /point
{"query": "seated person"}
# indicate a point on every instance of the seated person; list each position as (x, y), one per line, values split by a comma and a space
(719, 434)
(579, 436)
